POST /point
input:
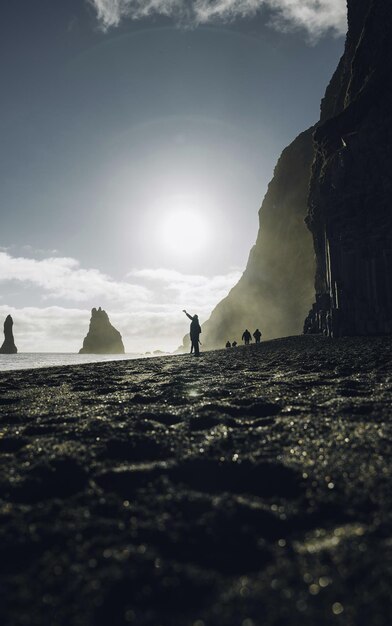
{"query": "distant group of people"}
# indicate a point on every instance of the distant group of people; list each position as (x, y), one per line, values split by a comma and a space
(246, 338)
(195, 331)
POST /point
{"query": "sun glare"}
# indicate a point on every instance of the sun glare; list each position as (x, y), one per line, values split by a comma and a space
(184, 232)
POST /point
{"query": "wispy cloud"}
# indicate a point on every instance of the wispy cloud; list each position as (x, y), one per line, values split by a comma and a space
(173, 278)
(63, 278)
(146, 306)
(190, 290)
(316, 17)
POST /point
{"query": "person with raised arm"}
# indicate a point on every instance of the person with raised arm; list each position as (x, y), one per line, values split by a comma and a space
(194, 333)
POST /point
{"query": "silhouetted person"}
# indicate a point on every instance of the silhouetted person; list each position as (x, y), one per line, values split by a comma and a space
(257, 335)
(234, 344)
(246, 337)
(307, 325)
(195, 331)
(329, 325)
(228, 344)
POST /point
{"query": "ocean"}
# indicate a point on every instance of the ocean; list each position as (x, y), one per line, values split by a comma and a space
(33, 360)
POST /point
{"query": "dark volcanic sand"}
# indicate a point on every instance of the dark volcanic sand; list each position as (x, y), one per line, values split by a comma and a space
(251, 487)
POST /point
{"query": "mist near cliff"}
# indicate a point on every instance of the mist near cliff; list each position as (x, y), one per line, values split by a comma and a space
(276, 290)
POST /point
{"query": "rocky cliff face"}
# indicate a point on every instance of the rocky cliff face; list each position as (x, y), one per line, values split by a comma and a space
(350, 212)
(349, 208)
(102, 337)
(277, 287)
(8, 346)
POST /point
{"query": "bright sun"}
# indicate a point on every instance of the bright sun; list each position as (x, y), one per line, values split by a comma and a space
(184, 232)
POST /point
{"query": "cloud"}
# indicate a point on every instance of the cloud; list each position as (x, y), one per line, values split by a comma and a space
(195, 291)
(316, 17)
(38, 251)
(146, 307)
(47, 329)
(63, 278)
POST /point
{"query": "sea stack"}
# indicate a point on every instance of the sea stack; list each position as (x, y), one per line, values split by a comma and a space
(102, 337)
(8, 346)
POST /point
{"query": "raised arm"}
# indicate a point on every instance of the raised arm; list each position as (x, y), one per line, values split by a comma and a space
(187, 314)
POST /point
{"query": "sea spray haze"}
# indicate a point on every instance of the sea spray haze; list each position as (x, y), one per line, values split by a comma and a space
(277, 287)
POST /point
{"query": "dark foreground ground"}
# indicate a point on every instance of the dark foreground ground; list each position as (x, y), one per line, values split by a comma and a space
(251, 487)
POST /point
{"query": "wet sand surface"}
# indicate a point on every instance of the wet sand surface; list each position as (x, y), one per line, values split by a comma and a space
(250, 487)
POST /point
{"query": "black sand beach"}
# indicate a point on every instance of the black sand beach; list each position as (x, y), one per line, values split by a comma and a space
(251, 487)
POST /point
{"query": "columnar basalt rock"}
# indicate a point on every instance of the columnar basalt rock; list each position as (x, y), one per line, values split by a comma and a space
(102, 337)
(350, 212)
(277, 287)
(8, 346)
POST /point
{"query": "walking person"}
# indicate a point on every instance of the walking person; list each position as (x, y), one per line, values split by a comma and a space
(195, 331)
(257, 335)
(246, 337)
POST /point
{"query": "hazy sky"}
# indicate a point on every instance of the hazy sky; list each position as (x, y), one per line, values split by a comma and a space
(137, 142)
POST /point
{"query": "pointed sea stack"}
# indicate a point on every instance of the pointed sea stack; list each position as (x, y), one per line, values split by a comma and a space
(8, 346)
(102, 337)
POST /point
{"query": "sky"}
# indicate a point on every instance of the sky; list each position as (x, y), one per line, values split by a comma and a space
(137, 142)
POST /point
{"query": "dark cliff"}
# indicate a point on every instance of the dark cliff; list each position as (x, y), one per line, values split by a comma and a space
(102, 337)
(8, 346)
(277, 287)
(350, 212)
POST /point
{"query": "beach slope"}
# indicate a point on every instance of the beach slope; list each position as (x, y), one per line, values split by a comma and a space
(248, 487)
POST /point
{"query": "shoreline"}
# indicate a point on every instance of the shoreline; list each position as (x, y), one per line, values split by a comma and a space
(72, 356)
(106, 358)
